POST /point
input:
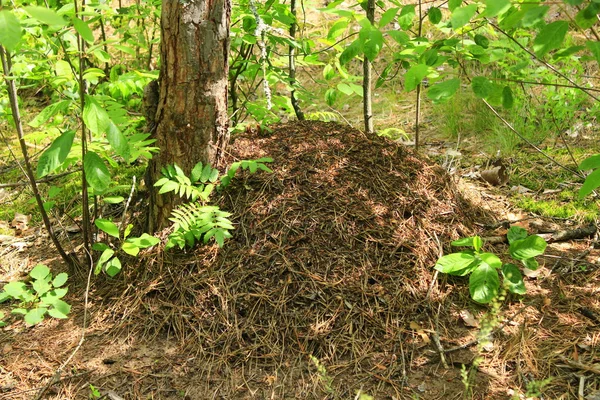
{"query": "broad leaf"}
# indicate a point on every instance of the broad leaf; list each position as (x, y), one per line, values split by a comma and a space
(414, 76)
(591, 183)
(550, 37)
(406, 17)
(516, 233)
(106, 255)
(41, 286)
(351, 51)
(35, 316)
(60, 310)
(60, 279)
(388, 16)
(491, 259)
(117, 141)
(435, 15)
(10, 30)
(15, 289)
(40, 272)
(83, 29)
(591, 162)
(46, 16)
(107, 226)
(373, 44)
(594, 47)
(453, 4)
(456, 263)
(113, 267)
(96, 172)
(462, 15)
(482, 86)
(49, 112)
(484, 283)
(55, 155)
(443, 91)
(507, 97)
(495, 7)
(531, 263)
(531, 246)
(95, 116)
(514, 279)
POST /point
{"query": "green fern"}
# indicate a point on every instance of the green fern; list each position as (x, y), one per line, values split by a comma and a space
(250, 165)
(193, 222)
(199, 185)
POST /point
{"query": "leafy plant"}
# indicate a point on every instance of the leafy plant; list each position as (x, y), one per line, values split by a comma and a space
(592, 181)
(39, 297)
(193, 222)
(484, 268)
(109, 260)
(196, 221)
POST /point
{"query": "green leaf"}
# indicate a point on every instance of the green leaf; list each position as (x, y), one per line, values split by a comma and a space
(95, 116)
(482, 41)
(435, 15)
(495, 7)
(130, 249)
(491, 259)
(388, 16)
(144, 241)
(531, 246)
(40, 272)
(96, 172)
(83, 29)
(514, 279)
(107, 226)
(351, 51)
(206, 172)
(484, 283)
(594, 47)
(46, 16)
(169, 186)
(196, 172)
(516, 233)
(399, 36)
(10, 30)
(113, 199)
(41, 286)
(113, 267)
(550, 37)
(106, 255)
(414, 76)
(406, 17)
(35, 316)
(15, 289)
(49, 112)
(60, 310)
(466, 242)
(507, 98)
(482, 86)
(531, 263)
(453, 4)
(55, 155)
(477, 243)
(592, 181)
(591, 162)
(373, 44)
(462, 15)
(456, 263)
(117, 140)
(220, 237)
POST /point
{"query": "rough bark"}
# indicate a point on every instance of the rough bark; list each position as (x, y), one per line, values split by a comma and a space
(191, 117)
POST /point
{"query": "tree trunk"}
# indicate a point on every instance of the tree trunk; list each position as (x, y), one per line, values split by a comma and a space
(191, 118)
(367, 77)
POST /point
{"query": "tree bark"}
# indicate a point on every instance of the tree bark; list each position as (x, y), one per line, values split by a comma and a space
(367, 77)
(191, 118)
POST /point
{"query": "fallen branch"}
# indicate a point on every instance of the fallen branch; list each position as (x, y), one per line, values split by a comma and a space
(558, 236)
(581, 366)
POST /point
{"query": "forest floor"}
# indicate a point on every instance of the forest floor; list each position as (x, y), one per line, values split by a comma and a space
(325, 291)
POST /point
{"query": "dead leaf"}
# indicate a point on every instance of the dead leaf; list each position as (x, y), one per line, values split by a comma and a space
(20, 222)
(420, 331)
(520, 189)
(469, 319)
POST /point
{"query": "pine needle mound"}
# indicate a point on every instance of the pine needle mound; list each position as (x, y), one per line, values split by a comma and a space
(332, 256)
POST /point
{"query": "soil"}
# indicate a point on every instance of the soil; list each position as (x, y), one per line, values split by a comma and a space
(325, 290)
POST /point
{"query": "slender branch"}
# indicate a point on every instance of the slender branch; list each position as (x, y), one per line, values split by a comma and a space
(368, 78)
(292, 64)
(546, 64)
(43, 180)
(14, 105)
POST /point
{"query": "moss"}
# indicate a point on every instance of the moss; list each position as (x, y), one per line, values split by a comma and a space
(574, 209)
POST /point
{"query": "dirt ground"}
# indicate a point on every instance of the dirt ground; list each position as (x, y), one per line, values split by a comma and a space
(325, 291)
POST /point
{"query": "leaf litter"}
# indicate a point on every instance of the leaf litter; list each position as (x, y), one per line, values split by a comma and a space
(331, 258)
